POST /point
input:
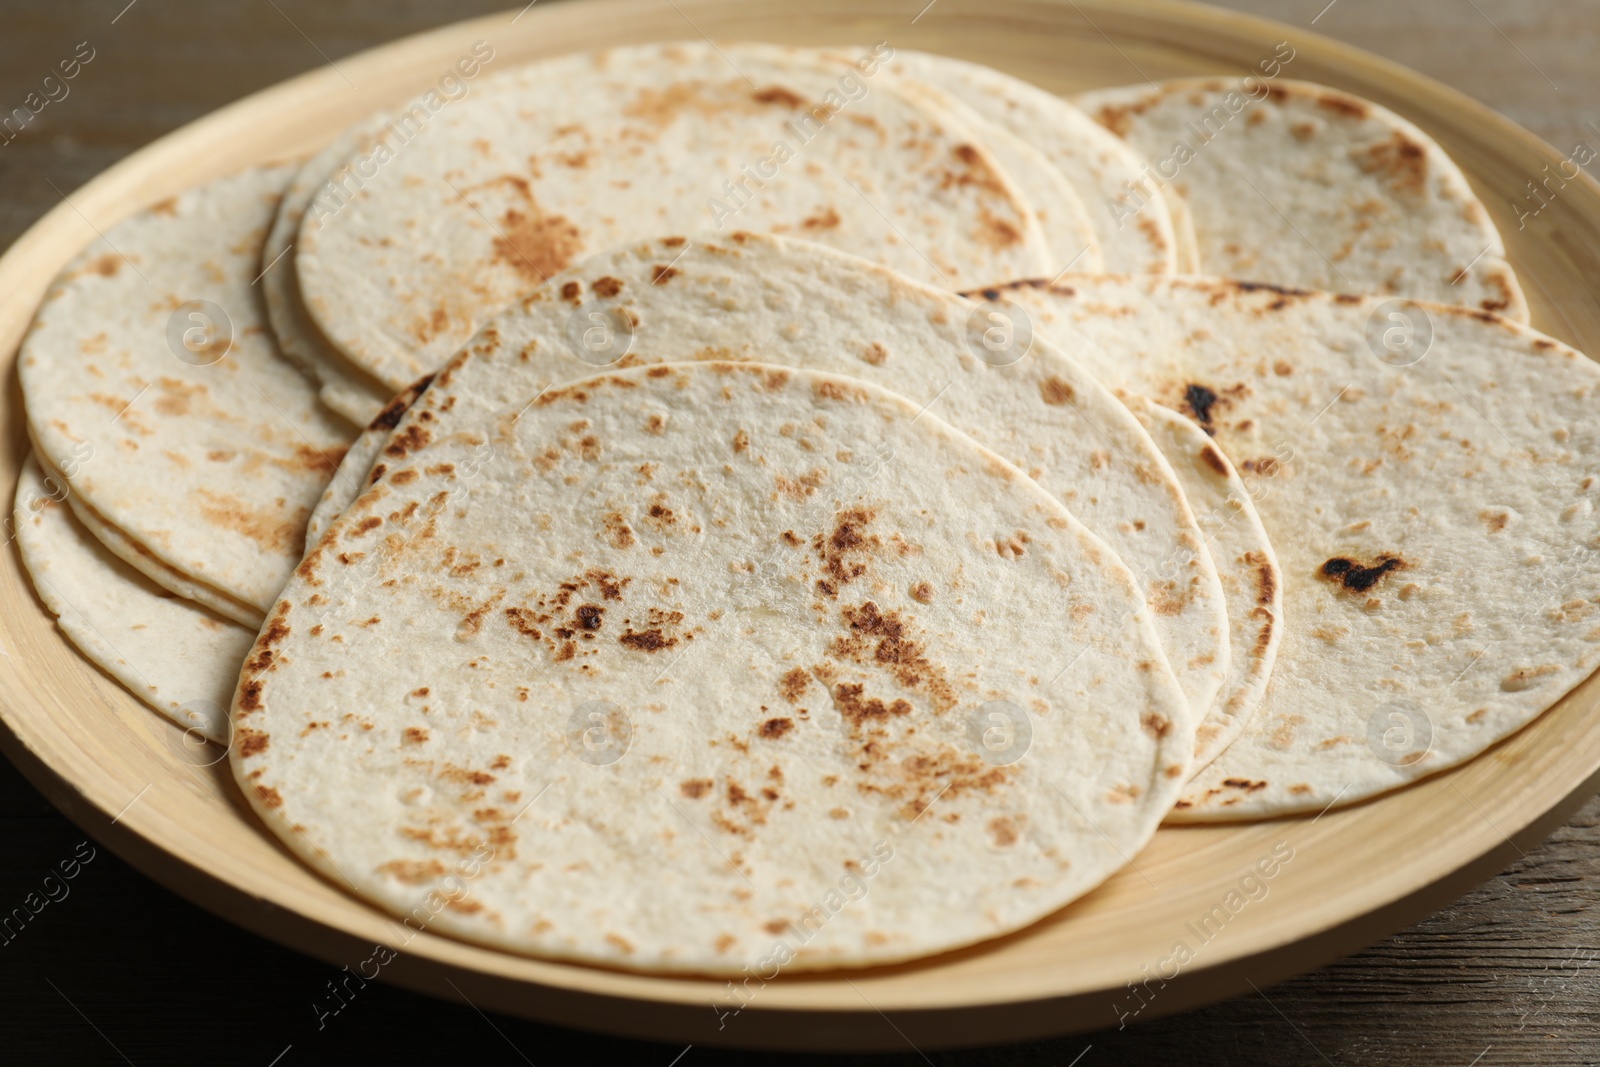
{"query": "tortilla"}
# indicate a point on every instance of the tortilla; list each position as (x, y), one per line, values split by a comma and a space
(1427, 474)
(753, 638)
(1302, 185)
(1252, 581)
(1063, 219)
(1099, 165)
(795, 303)
(498, 191)
(150, 363)
(175, 656)
(356, 469)
(344, 388)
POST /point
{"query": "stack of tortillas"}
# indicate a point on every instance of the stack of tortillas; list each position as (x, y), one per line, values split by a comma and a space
(816, 508)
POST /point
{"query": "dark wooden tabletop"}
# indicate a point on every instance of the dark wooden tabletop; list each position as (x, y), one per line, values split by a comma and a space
(115, 969)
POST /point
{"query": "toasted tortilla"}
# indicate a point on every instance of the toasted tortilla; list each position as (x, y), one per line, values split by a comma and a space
(749, 636)
(357, 396)
(544, 164)
(1303, 185)
(800, 304)
(1063, 218)
(1252, 580)
(1102, 168)
(174, 655)
(1428, 477)
(208, 458)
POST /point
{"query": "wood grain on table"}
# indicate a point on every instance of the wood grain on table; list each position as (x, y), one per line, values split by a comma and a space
(114, 969)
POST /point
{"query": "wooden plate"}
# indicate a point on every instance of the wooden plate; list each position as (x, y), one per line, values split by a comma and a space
(1188, 925)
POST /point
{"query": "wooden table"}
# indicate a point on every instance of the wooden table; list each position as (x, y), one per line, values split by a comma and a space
(119, 970)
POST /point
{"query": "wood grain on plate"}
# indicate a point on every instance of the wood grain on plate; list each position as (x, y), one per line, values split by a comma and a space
(1354, 874)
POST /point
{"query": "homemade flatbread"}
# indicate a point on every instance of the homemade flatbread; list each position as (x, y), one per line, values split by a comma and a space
(1428, 475)
(799, 304)
(552, 161)
(207, 449)
(708, 665)
(1132, 239)
(344, 388)
(174, 655)
(1302, 185)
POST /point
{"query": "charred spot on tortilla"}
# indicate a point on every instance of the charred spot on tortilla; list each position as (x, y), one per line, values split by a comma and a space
(1357, 578)
(1200, 399)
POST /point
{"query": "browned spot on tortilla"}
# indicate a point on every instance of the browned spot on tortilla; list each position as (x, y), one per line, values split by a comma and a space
(1165, 597)
(1354, 576)
(836, 549)
(741, 441)
(827, 220)
(107, 265)
(660, 275)
(1155, 725)
(251, 742)
(536, 246)
(409, 440)
(414, 735)
(1401, 160)
(857, 709)
(607, 286)
(571, 291)
(1214, 460)
(773, 729)
(269, 796)
(1494, 520)
(1344, 105)
(695, 788)
(875, 354)
(269, 529)
(1245, 784)
(997, 232)
(975, 170)
(923, 592)
(778, 95)
(892, 648)
(793, 684)
(646, 641)
(798, 489)
(1055, 392)
(792, 539)
(414, 872)
(590, 616)
(522, 620)
(1003, 831)
(618, 530)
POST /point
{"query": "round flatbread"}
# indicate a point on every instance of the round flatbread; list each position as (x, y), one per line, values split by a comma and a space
(357, 396)
(1302, 185)
(801, 304)
(151, 356)
(773, 643)
(174, 655)
(1427, 474)
(1133, 230)
(429, 236)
